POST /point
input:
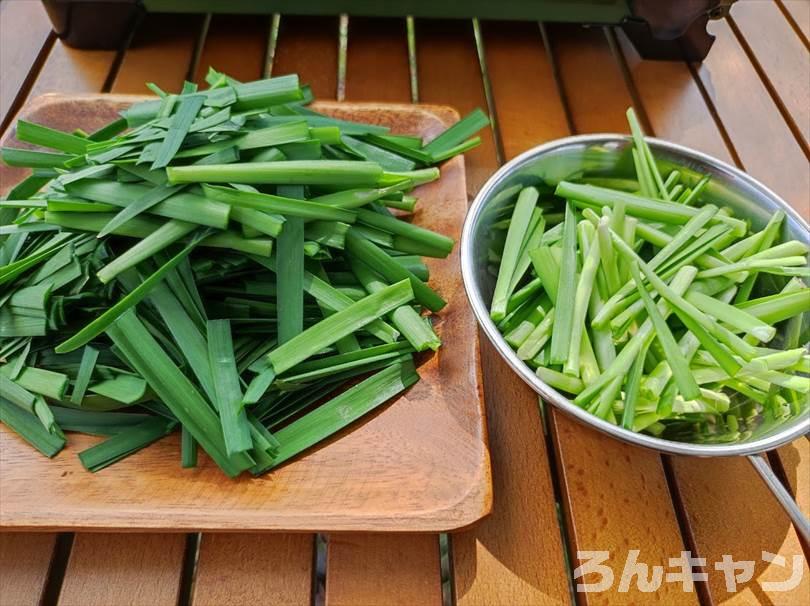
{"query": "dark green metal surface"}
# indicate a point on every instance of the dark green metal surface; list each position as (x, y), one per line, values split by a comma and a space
(659, 29)
(579, 11)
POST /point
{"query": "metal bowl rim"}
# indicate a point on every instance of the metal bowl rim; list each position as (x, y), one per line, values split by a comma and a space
(481, 312)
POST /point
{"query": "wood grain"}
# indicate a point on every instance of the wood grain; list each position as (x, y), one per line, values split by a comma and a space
(433, 474)
(765, 145)
(161, 52)
(617, 500)
(376, 43)
(449, 73)
(24, 563)
(248, 33)
(227, 563)
(69, 70)
(20, 46)
(247, 569)
(497, 561)
(720, 496)
(409, 563)
(795, 460)
(373, 569)
(730, 511)
(781, 57)
(590, 79)
(799, 12)
(123, 570)
(616, 495)
(308, 46)
(519, 68)
(673, 102)
(516, 555)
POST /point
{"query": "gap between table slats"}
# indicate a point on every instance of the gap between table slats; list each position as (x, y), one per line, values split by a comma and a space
(722, 496)
(117, 568)
(371, 569)
(781, 60)
(226, 566)
(113, 568)
(515, 556)
(25, 561)
(34, 564)
(22, 53)
(616, 495)
(766, 146)
(797, 13)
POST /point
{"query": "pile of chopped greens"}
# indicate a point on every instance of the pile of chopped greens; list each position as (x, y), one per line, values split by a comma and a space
(653, 307)
(227, 263)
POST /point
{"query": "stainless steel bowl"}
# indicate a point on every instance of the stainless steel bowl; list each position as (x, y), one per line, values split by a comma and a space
(603, 155)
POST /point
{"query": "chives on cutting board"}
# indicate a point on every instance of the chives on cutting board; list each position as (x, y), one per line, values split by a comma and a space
(189, 266)
(652, 306)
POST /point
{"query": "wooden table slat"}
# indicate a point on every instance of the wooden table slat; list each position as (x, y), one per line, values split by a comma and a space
(782, 57)
(449, 74)
(730, 511)
(370, 569)
(69, 70)
(521, 75)
(762, 139)
(795, 461)
(376, 569)
(248, 33)
(616, 495)
(246, 569)
(673, 102)
(123, 570)
(591, 80)
(497, 560)
(308, 46)
(617, 501)
(377, 61)
(25, 560)
(799, 13)
(25, 33)
(161, 52)
(723, 496)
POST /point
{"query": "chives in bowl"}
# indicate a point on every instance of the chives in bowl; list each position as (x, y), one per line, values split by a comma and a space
(625, 282)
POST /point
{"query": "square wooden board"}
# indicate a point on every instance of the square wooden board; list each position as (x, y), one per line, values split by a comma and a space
(420, 463)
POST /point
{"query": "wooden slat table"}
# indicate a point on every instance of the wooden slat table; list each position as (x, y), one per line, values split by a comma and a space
(560, 489)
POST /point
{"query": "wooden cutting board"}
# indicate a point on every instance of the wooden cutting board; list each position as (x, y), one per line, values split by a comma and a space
(419, 463)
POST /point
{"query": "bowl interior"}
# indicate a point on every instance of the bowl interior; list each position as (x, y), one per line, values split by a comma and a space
(609, 155)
